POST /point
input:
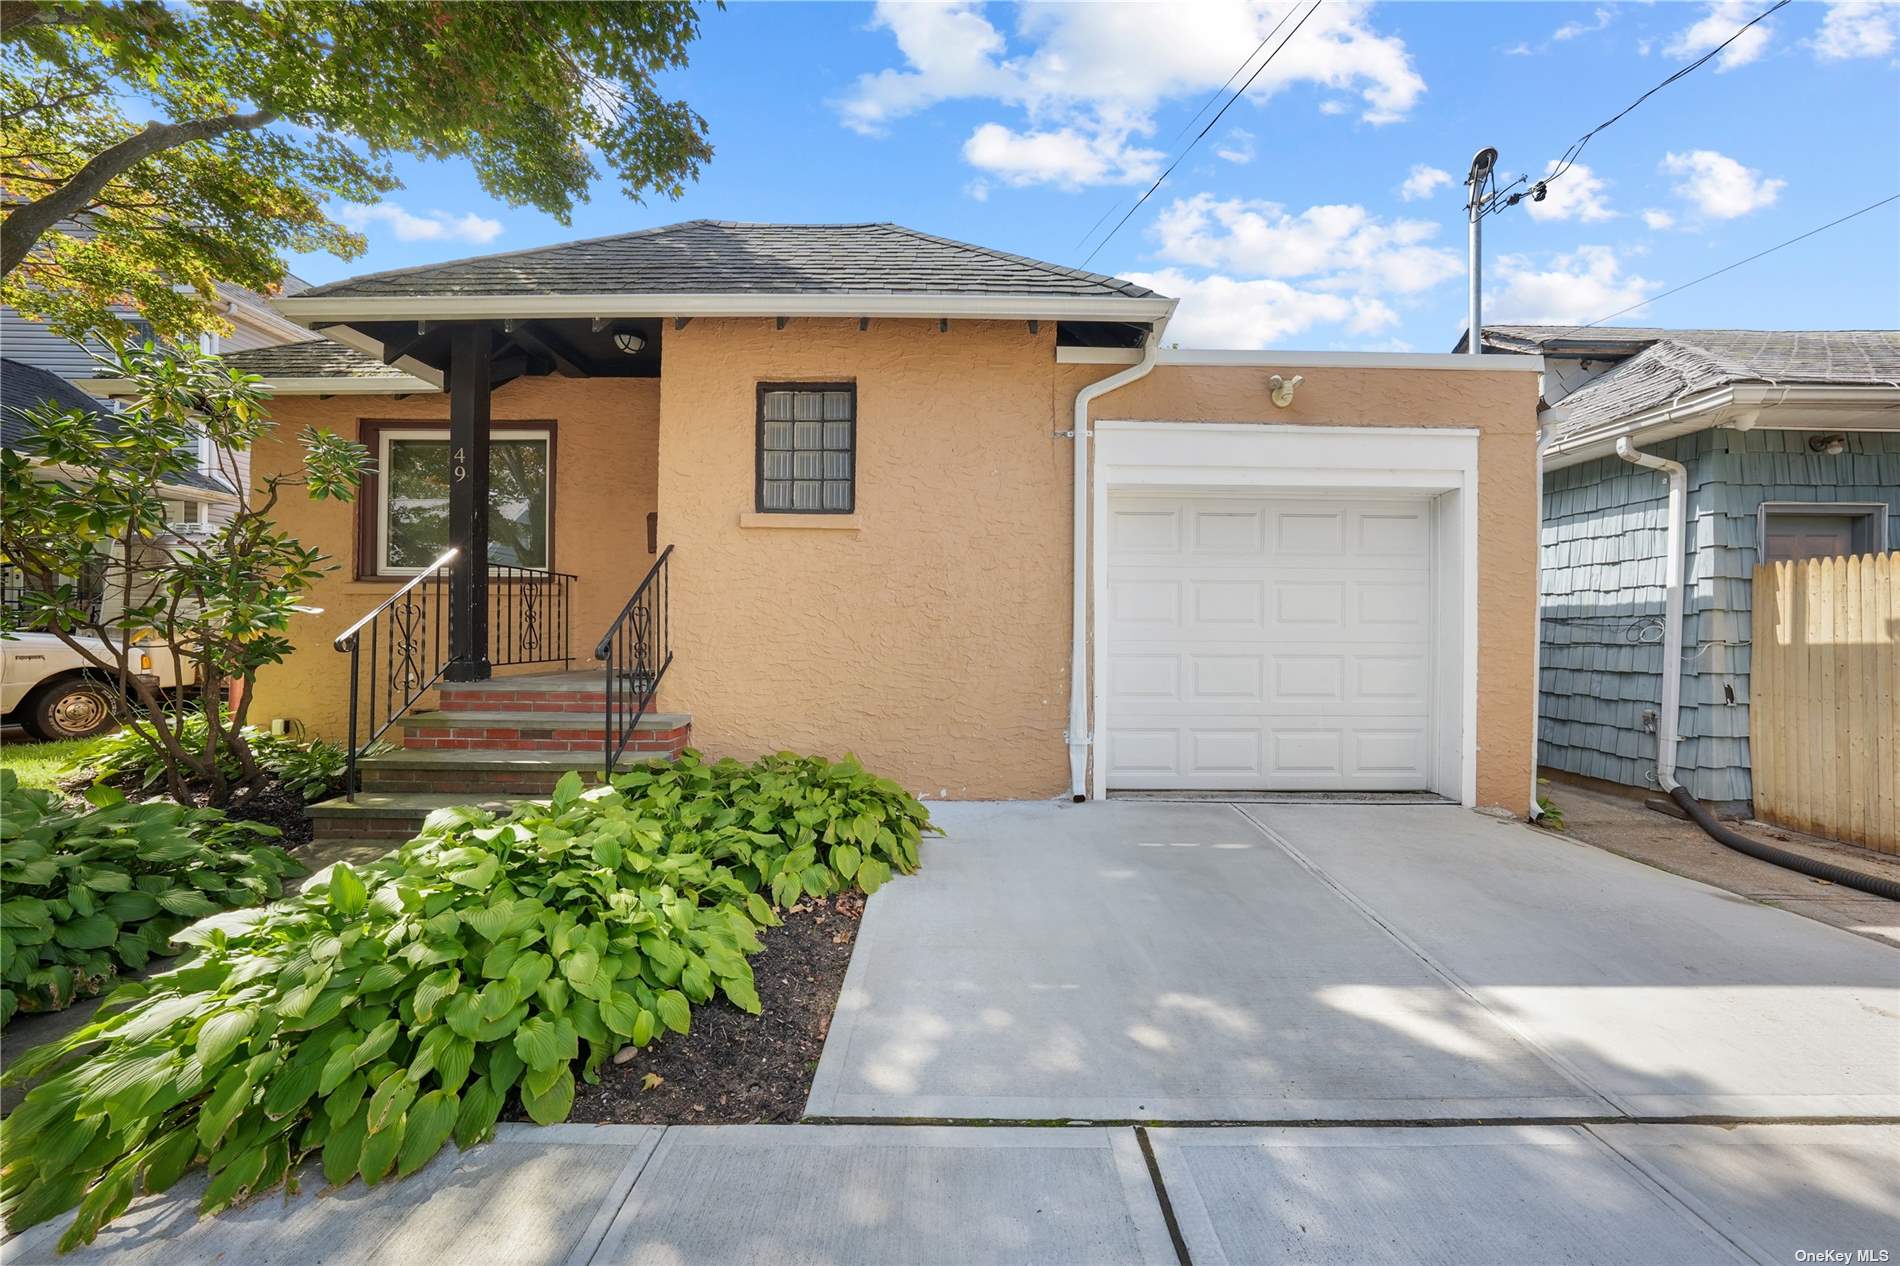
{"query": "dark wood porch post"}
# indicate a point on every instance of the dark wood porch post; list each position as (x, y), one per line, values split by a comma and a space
(470, 354)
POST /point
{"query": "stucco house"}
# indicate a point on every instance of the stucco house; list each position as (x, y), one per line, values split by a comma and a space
(1788, 443)
(859, 488)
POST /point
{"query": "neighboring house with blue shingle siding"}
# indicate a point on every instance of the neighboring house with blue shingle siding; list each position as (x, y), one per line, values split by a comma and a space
(1791, 440)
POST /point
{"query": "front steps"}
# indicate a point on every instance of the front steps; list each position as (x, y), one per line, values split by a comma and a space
(486, 743)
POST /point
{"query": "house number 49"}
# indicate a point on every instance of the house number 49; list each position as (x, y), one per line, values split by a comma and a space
(461, 466)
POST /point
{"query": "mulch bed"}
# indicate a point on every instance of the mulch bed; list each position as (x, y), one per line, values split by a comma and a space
(734, 1068)
(273, 805)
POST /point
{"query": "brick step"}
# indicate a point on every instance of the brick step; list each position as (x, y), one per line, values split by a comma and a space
(385, 816)
(475, 774)
(528, 731)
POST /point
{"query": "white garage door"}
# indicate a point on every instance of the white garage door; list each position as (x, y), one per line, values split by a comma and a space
(1268, 643)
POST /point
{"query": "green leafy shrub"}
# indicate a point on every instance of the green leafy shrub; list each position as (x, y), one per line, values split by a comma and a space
(88, 892)
(311, 768)
(371, 1020)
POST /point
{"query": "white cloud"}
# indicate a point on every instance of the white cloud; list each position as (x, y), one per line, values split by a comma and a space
(1342, 247)
(1855, 29)
(1659, 219)
(1571, 30)
(1583, 285)
(1237, 146)
(1721, 19)
(1578, 194)
(979, 190)
(1422, 182)
(1719, 186)
(430, 226)
(1220, 311)
(1064, 157)
(1096, 73)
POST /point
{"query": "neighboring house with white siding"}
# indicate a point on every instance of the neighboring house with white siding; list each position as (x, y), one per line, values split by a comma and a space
(253, 324)
(1791, 445)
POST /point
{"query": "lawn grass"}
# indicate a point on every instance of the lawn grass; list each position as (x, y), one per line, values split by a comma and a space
(44, 764)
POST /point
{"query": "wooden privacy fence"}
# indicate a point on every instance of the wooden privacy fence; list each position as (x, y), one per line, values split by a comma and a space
(1824, 697)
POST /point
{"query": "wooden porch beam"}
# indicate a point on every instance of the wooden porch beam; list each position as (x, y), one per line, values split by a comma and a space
(471, 367)
(542, 341)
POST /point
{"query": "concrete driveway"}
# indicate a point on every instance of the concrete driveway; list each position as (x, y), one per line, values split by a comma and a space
(1198, 962)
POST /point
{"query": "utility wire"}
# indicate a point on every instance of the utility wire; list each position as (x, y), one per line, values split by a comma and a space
(1211, 122)
(1569, 157)
(1218, 93)
(1751, 259)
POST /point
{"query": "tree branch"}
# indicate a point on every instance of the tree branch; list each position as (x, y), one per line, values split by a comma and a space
(28, 223)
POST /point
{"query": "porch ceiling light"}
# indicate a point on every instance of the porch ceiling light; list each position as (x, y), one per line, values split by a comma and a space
(629, 342)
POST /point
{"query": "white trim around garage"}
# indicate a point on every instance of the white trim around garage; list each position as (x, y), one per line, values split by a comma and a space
(1230, 458)
(1303, 360)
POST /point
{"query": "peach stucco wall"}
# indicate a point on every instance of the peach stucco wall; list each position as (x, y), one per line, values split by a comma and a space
(606, 432)
(931, 634)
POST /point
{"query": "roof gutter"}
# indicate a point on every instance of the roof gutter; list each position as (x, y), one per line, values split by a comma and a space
(1080, 736)
(320, 310)
(1738, 405)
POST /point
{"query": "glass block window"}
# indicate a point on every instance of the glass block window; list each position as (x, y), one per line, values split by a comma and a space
(807, 448)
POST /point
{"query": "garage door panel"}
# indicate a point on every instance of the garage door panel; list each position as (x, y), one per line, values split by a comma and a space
(1147, 529)
(1276, 643)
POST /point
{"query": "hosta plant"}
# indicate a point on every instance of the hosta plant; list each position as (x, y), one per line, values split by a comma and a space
(377, 1016)
(86, 892)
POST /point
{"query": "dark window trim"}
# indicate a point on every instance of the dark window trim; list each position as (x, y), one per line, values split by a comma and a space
(758, 442)
(369, 432)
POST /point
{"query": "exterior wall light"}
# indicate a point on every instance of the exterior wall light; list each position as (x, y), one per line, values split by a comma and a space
(1832, 445)
(1282, 389)
(629, 342)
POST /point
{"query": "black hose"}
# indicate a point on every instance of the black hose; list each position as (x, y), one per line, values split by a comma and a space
(1780, 856)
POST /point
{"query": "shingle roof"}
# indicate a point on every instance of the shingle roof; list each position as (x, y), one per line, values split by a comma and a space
(24, 387)
(312, 358)
(1661, 365)
(721, 257)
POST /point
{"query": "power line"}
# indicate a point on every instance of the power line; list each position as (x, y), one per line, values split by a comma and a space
(1211, 122)
(1895, 197)
(1218, 92)
(1569, 157)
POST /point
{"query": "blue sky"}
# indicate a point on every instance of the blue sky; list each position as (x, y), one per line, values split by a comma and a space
(1326, 208)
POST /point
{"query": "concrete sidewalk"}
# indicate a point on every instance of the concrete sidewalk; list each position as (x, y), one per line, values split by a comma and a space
(1081, 1196)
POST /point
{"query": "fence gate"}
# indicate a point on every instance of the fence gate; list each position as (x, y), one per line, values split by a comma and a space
(1824, 697)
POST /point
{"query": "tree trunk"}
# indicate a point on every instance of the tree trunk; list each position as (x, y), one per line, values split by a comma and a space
(30, 221)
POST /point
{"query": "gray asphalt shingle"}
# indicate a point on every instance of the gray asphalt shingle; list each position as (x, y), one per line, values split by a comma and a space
(721, 257)
(1664, 364)
(312, 358)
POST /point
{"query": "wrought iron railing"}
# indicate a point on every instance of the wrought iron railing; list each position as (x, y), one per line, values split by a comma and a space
(528, 613)
(408, 652)
(401, 649)
(635, 654)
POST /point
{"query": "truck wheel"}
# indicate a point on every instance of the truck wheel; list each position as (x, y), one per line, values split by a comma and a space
(71, 709)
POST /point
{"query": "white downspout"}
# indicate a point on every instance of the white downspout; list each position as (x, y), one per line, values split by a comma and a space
(1537, 622)
(1670, 718)
(1079, 736)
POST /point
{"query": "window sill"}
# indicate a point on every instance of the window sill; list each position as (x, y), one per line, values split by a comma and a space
(820, 522)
